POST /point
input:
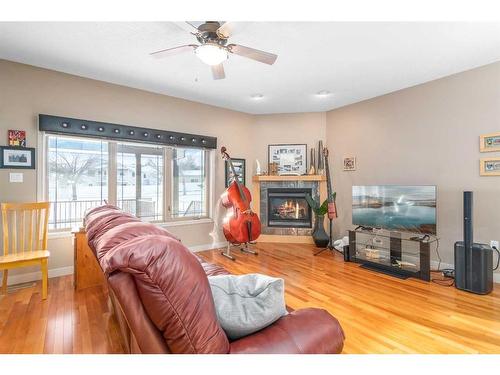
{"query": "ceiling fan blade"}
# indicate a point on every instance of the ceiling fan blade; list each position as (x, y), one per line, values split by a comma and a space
(218, 71)
(252, 53)
(191, 24)
(173, 51)
(188, 26)
(226, 30)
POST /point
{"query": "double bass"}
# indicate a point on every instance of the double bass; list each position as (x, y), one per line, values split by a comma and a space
(241, 225)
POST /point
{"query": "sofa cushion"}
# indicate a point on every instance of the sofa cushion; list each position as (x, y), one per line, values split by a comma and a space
(304, 331)
(129, 311)
(125, 232)
(247, 303)
(174, 290)
(104, 207)
(211, 269)
(97, 224)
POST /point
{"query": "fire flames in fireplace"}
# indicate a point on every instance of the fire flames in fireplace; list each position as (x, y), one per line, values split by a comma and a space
(289, 208)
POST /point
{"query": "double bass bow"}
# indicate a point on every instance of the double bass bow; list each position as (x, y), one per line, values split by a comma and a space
(332, 207)
(241, 225)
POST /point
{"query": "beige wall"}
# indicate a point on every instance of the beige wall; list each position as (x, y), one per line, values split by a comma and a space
(26, 91)
(306, 128)
(428, 134)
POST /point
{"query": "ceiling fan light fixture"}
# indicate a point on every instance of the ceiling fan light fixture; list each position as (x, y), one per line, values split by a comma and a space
(211, 54)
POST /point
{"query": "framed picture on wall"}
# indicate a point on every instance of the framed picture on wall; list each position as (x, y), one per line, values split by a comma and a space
(291, 158)
(489, 167)
(350, 163)
(17, 157)
(239, 168)
(17, 138)
(489, 142)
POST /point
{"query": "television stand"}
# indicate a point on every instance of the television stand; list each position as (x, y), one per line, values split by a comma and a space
(399, 254)
(371, 267)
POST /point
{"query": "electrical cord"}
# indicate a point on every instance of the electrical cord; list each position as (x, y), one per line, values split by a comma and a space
(445, 281)
(498, 258)
(437, 252)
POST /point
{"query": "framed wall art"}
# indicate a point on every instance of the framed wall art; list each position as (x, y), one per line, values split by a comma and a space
(17, 157)
(350, 163)
(239, 167)
(489, 142)
(17, 138)
(291, 158)
(489, 166)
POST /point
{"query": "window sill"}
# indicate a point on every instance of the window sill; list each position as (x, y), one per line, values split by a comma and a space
(180, 223)
(60, 234)
(167, 224)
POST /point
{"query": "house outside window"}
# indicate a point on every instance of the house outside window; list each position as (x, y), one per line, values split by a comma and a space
(155, 183)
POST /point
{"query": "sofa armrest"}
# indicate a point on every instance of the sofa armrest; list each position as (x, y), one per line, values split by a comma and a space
(305, 331)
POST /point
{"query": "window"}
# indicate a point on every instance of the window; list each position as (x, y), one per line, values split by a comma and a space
(73, 184)
(81, 173)
(189, 183)
(140, 180)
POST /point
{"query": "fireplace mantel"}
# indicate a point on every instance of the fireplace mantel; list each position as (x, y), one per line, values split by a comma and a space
(258, 182)
(312, 177)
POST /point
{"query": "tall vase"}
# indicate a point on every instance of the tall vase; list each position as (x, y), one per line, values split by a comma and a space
(319, 234)
(312, 162)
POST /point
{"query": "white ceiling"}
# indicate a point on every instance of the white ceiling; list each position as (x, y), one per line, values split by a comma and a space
(354, 61)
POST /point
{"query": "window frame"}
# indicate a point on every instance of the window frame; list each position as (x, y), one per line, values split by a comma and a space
(168, 180)
(137, 148)
(209, 163)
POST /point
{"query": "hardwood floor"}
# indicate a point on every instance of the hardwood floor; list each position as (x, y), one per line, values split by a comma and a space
(67, 322)
(379, 313)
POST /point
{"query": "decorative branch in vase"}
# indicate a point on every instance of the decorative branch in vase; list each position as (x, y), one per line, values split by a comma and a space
(320, 237)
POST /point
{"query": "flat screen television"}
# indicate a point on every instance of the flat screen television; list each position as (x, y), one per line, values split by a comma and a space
(395, 207)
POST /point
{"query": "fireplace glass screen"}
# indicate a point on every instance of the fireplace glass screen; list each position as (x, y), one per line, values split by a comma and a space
(287, 207)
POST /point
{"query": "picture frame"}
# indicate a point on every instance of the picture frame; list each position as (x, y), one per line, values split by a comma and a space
(17, 138)
(240, 168)
(489, 142)
(291, 158)
(350, 163)
(489, 166)
(17, 157)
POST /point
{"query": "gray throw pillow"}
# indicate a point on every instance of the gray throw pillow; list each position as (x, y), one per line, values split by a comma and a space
(248, 303)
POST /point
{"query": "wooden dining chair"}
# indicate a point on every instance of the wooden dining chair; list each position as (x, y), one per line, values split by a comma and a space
(25, 227)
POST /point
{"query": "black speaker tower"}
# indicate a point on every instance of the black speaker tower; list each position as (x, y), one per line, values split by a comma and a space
(473, 261)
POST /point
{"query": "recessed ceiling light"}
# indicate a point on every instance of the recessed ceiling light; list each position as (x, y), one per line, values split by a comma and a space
(256, 96)
(323, 93)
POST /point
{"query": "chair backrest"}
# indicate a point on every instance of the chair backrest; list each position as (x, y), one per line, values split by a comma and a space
(25, 226)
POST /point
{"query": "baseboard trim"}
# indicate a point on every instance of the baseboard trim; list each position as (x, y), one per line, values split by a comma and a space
(35, 276)
(273, 238)
(211, 246)
(63, 271)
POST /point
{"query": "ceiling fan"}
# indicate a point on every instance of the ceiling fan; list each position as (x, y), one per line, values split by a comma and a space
(214, 50)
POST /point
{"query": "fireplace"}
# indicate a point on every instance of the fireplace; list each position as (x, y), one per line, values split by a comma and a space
(287, 207)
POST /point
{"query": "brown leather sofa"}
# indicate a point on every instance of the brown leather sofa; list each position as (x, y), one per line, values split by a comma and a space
(162, 300)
